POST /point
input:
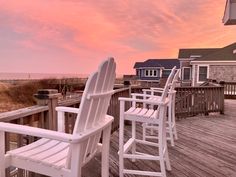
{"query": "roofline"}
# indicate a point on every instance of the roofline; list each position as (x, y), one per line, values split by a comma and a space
(200, 48)
(143, 67)
(218, 62)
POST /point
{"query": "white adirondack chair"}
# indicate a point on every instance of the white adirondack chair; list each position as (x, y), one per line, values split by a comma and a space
(170, 124)
(145, 115)
(59, 154)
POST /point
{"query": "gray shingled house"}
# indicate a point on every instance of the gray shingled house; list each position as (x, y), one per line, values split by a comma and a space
(198, 65)
(152, 70)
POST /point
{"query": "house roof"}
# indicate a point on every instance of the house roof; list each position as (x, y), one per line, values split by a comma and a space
(166, 63)
(227, 53)
(186, 53)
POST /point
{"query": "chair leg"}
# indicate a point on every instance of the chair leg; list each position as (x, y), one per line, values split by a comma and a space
(105, 151)
(173, 120)
(174, 126)
(162, 144)
(167, 159)
(134, 137)
(162, 165)
(175, 132)
(76, 169)
(2, 171)
(121, 142)
(2, 154)
(170, 125)
(171, 135)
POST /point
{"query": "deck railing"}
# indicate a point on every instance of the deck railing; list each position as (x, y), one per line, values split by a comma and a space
(229, 89)
(191, 101)
(45, 117)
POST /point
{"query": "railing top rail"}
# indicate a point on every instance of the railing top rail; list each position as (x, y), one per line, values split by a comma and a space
(121, 90)
(16, 114)
(199, 87)
(232, 83)
(71, 101)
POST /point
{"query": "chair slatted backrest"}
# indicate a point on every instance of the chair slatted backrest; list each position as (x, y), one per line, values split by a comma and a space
(166, 89)
(93, 108)
(94, 105)
(168, 84)
(175, 79)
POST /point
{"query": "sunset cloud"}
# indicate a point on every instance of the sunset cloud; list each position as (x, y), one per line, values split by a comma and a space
(73, 36)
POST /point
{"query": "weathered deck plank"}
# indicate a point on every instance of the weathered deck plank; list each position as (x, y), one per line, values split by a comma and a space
(206, 148)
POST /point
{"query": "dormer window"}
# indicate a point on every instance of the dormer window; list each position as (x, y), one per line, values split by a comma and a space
(152, 72)
(234, 51)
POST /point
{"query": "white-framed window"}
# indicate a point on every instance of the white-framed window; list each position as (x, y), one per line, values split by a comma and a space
(146, 73)
(186, 73)
(166, 73)
(203, 73)
(151, 73)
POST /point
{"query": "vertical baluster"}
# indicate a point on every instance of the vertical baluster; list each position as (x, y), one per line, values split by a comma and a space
(32, 123)
(67, 123)
(7, 148)
(20, 143)
(222, 101)
(41, 120)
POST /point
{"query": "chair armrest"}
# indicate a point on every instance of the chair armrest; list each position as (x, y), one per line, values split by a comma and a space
(61, 110)
(55, 135)
(152, 91)
(157, 88)
(34, 131)
(140, 95)
(67, 109)
(158, 103)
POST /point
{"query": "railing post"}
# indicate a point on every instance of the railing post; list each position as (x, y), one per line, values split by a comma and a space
(49, 97)
(222, 101)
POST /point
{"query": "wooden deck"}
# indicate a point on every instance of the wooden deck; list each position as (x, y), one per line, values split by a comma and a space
(206, 148)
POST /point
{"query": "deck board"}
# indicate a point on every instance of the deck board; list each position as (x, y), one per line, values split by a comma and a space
(206, 148)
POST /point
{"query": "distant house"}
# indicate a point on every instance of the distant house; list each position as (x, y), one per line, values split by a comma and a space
(230, 13)
(198, 65)
(152, 70)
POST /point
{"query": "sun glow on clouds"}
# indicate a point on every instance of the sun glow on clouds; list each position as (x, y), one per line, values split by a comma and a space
(73, 36)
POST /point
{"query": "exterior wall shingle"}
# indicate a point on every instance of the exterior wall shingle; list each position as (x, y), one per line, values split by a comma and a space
(223, 73)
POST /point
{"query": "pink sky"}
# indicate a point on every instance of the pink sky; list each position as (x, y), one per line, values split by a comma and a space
(72, 36)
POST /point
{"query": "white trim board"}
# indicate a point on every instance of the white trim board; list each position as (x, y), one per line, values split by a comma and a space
(213, 62)
(208, 72)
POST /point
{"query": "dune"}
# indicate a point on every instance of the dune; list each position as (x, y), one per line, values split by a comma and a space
(6, 102)
(4, 86)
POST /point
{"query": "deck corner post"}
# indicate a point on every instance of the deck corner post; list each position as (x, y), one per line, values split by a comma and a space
(49, 97)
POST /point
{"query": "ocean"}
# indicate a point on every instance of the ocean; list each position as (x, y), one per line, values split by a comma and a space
(33, 76)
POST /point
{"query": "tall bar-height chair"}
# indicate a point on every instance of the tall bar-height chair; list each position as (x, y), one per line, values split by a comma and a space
(138, 114)
(170, 124)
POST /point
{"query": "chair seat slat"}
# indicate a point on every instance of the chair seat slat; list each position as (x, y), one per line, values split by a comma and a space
(54, 150)
(39, 149)
(30, 146)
